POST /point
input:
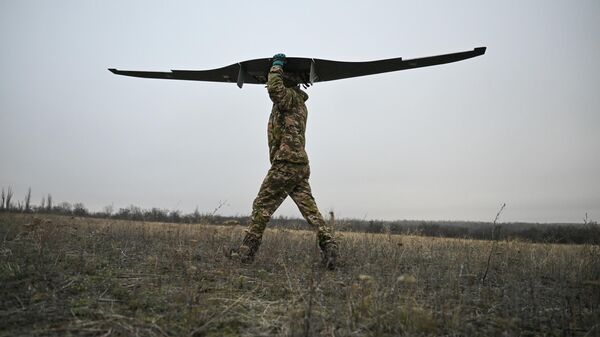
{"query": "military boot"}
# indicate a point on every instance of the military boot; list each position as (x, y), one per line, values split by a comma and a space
(246, 252)
(329, 252)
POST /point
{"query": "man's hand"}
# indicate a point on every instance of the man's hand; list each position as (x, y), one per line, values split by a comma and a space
(278, 60)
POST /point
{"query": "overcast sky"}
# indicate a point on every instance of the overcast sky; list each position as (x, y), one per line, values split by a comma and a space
(518, 125)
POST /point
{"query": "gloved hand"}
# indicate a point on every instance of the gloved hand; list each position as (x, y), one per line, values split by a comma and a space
(278, 60)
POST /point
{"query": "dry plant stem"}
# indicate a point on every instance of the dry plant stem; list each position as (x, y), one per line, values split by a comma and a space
(313, 283)
(332, 222)
(308, 313)
(590, 331)
(221, 204)
(210, 320)
(494, 243)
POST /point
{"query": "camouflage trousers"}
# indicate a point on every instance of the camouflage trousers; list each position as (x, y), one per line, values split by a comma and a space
(285, 179)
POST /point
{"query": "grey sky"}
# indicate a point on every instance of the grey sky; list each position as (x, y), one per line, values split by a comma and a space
(517, 125)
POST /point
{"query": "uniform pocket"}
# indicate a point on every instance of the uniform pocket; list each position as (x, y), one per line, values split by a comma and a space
(291, 171)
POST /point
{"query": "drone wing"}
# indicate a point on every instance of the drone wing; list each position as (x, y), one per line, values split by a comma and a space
(225, 74)
(327, 70)
(302, 70)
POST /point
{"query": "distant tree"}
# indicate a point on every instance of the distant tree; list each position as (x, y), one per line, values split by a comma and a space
(175, 216)
(28, 200)
(42, 204)
(196, 215)
(9, 195)
(374, 227)
(130, 213)
(123, 213)
(80, 210)
(63, 208)
(155, 214)
(108, 210)
(136, 213)
(49, 203)
(3, 199)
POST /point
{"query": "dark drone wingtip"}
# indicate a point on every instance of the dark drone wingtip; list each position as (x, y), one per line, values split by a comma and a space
(113, 70)
(480, 50)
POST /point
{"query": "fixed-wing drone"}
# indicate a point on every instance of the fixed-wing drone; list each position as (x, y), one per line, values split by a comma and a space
(301, 70)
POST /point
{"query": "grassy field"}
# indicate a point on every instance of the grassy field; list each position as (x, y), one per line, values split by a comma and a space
(63, 276)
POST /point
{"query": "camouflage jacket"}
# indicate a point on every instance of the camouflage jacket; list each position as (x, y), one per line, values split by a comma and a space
(287, 123)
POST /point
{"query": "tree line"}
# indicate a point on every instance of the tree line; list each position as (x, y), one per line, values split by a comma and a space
(587, 232)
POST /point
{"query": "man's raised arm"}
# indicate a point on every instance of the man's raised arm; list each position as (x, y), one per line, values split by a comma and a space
(280, 95)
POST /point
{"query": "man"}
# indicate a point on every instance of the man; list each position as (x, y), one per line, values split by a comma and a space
(289, 170)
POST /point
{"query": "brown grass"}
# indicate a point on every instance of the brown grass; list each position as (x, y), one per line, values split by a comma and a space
(79, 276)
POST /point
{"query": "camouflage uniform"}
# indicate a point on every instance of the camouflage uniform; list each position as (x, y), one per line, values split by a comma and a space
(289, 170)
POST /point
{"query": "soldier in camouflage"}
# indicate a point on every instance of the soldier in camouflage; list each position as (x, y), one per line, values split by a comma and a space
(289, 170)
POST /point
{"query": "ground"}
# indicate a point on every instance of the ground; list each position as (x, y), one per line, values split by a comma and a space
(63, 276)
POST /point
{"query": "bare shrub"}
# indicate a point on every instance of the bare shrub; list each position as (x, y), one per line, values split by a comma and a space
(8, 202)
(28, 200)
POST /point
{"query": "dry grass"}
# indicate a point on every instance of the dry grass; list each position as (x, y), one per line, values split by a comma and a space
(65, 276)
